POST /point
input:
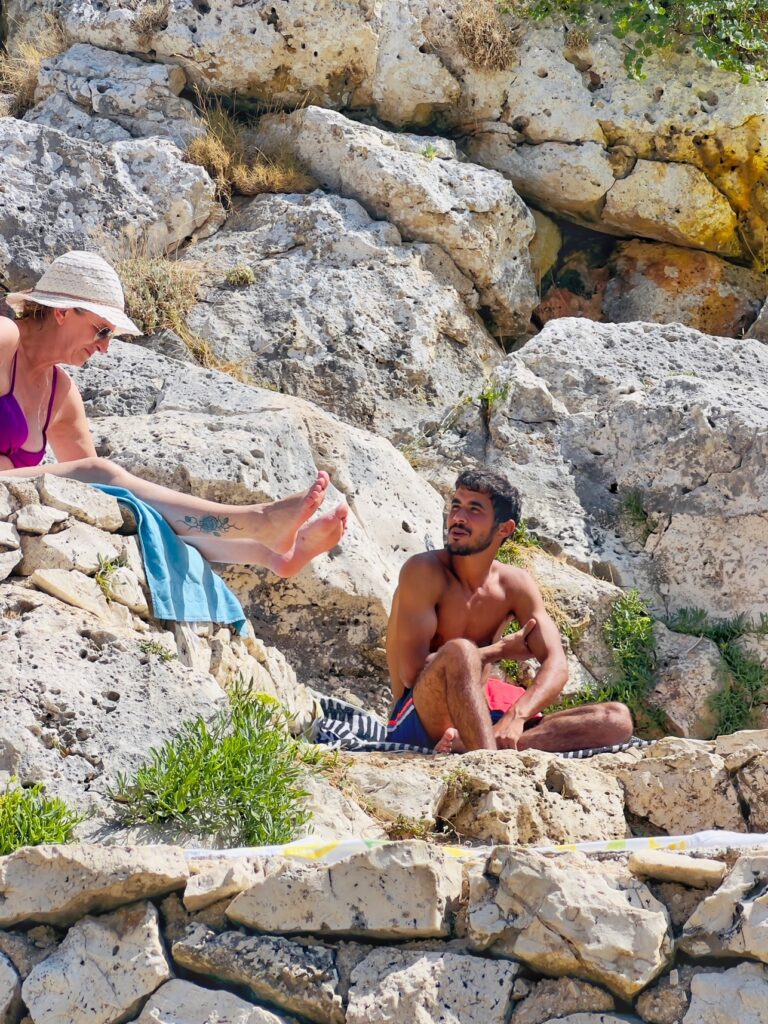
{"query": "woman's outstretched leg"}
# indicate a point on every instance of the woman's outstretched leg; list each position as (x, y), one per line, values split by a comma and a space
(313, 539)
(274, 525)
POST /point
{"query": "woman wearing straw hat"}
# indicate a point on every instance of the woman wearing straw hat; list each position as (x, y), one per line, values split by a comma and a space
(75, 309)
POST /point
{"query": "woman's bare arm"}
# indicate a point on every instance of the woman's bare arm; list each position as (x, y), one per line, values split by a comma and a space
(69, 434)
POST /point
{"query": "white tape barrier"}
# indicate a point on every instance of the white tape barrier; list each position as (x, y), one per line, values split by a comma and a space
(330, 851)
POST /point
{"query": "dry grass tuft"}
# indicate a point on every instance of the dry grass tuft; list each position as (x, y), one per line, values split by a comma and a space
(487, 36)
(235, 165)
(151, 18)
(159, 293)
(20, 69)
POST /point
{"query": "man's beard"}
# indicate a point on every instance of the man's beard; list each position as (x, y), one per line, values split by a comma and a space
(470, 547)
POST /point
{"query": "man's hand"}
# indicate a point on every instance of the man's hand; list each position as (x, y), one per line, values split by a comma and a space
(508, 731)
(514, 647)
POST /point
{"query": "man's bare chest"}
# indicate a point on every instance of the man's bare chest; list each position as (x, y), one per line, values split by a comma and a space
(475, 617)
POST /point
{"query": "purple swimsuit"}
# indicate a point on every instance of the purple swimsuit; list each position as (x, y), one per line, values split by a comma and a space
(14, 429)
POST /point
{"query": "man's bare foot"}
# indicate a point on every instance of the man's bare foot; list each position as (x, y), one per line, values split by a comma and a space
(320, 535)
(450, 743)
(279, 522)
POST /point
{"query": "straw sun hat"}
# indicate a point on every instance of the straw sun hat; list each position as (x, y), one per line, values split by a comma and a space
(80, 280)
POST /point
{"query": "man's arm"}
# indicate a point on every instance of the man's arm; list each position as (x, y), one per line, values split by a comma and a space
(414, 621)
(544, 643)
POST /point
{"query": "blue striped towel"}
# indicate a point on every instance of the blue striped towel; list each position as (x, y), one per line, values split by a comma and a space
(184, 588)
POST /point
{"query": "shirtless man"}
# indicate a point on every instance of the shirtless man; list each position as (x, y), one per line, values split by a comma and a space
(445, 631)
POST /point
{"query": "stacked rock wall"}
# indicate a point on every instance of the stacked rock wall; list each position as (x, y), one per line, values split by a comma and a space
(399, 932)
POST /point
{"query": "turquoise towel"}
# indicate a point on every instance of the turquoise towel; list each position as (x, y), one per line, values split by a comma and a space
(184, 588)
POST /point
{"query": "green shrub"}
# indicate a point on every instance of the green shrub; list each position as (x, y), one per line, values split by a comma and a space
(240, 276)
(629, 634)
(237, 777)
(733, 34)
(29, 818)
(747, 683)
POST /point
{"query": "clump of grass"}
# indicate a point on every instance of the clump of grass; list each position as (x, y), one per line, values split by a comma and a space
(159, 293)
(150, 647)
(516, 549)
(240, 276)
(28, 818)
(629, 634)
(151, 18)
(485, 34)
(632, 509)
(237, 777)
(235, 164)
(106, 571)
(404, 827)
(20, 69)
(747, 684)
(429, 151)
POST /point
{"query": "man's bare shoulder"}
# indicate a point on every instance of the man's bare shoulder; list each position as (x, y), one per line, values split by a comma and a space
(514, 579)
(427, 569)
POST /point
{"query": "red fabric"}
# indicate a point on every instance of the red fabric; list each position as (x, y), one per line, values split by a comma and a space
(502, 696)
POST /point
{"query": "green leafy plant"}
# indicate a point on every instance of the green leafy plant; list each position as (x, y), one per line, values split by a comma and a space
(747, 683)
(153, 647)
(429, 151)
(733, 34)
(28, 818)
(106, 571)
(237, 777)
(629, 634)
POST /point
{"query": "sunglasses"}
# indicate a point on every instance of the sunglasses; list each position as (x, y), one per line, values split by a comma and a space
(102, 333)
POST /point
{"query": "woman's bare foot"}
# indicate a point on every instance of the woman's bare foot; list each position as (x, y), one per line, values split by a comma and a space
(320, 535)
(450, 743)
(279, 523)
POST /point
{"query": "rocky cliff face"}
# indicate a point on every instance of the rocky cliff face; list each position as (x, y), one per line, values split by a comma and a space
(398, 323)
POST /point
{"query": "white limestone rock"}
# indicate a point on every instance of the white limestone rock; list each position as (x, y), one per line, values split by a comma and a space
(216, 879)
(341, 305)
(77, 499)
(678, 786)
(297, 978)
(752, 784)
(8, 562)
(398, 785)
(115, 90)
(79, 547)
(698, 872)
(569, 916)
(733, 920)
(688, 673)
(103, 970)
(9, 537)
(59, 884)
(125, 589)
(63, 193)
(529, 797)
(81, 702)
(181, 1002)
(407, 890)
(721, 997)
(73, 588)
(393, 985)
(471, 212)
(553, 998)
(10, 992)
(38, 519)
(334, 815)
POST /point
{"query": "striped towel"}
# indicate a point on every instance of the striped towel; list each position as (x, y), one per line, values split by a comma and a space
(346, 727)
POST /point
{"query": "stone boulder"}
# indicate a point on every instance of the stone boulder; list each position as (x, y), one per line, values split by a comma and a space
(98, 95)
(718, 996)
(393, 985)
(294, 976)
(10, 992)
(84, 983)
(341, 306)
(202, 431)
(732, 921)
(63, 193)
(557, 997)
(670, 284)
(676, 787)
(181, 1002)
(408, 890)
(530, 797)
(475, 215)
(688, 673)
(568, 917)
(60, 884)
